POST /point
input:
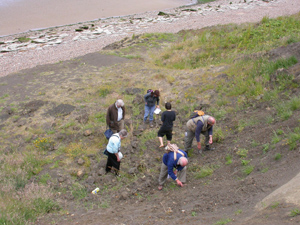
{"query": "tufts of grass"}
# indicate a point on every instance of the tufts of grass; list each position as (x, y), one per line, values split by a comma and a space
(78, 191)
(24, 39)
(245, 162)
(223, 221)
(293, 138)
(266, 148)
(294, 212)
(277, 156)
(228, 159)
(248, 169)
(242, 153)
(205, 171)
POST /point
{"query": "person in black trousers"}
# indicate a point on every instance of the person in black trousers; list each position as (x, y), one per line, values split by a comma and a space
(166, 128)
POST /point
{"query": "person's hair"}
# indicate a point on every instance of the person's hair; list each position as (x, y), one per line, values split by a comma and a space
(120, 102)
(123, 133)
(168, 105)
(156, 92)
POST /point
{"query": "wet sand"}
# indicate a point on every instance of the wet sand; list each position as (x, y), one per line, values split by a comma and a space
(22, 15)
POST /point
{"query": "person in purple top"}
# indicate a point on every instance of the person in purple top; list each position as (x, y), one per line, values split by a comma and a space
(174, 164)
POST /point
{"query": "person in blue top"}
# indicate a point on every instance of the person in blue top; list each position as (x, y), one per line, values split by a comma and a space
(113, 147)
(174, 164)
(151, 102)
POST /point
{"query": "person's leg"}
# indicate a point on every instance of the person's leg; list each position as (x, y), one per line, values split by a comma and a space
(152, 108)
(108, 163)
(162, 176)
(161, 142)
(188, 140)
(160, 135)
(207, 147)
(147, 112)
(115, 163)
(182, 175)
(169, 136)
(120, 125)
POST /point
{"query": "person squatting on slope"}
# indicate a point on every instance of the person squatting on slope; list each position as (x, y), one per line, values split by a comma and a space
(113, 147)
(176, 159)
(166, 128)
(151, 102)
(115, 116)
(196, 126)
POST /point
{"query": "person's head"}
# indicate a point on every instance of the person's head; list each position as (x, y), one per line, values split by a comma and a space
(211, 121)
(123, 133)
(183, 161)
(168, 105)
(119, 103)
(156, 93)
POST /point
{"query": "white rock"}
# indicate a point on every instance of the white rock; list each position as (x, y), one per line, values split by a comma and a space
(39, 40)
(63, 35)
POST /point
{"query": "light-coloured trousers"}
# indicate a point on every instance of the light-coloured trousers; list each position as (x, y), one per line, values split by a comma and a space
(181, 175)
(189, 137)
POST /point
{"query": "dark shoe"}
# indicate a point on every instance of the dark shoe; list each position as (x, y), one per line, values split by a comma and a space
(151, 124)
(207, 148)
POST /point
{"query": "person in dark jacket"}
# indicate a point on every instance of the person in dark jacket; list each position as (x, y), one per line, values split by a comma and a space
(167, 117)
(115, 116)
(151, 102)
(176, 159)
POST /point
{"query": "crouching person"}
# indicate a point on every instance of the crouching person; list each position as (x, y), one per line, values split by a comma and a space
(113, 148)
(174, 164)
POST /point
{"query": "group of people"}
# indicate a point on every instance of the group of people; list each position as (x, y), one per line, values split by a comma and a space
(174, 160)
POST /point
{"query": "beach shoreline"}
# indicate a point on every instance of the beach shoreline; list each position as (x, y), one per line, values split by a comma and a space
(30, 15)
(74, 44)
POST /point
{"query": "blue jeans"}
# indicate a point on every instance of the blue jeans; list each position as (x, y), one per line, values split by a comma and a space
(149, 110)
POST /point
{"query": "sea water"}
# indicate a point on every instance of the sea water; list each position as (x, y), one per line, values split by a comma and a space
(17, 16)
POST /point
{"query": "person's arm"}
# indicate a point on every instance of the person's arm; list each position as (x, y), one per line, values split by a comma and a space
(117, 155)
(123, 108)
(157, 102)
(146, 96)
(163, 117)
(198, 132)
(171, 165)
(108, 117)
(210, 133)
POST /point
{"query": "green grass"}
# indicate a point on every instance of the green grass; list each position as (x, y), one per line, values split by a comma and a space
(223, 221)
(277, 156)
(204, 171)
(228, 159)
(294, 212)
(293, 138)
(221, 44)
(247, 169)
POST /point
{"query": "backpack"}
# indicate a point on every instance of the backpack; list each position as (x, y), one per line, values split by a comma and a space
(173, 148)
(196, 113)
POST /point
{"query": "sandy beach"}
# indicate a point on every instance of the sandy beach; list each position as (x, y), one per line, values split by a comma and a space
(114, 29)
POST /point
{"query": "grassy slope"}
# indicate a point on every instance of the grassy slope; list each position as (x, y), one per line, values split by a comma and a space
(225, 68)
